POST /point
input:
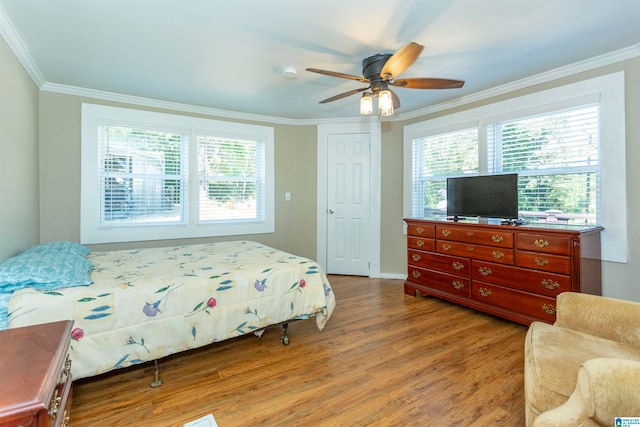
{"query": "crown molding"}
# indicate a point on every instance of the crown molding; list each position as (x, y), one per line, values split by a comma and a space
(614, 57)
(15, 43)
(165, 105)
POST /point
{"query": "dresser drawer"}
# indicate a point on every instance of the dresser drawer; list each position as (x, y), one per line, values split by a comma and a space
(503, 239)
(420, 243)
(538, 282)
(536, 306)
(545, 262)
(485, 253)
(420, 230)
(448, 283)
(550, 244)
(442, 263)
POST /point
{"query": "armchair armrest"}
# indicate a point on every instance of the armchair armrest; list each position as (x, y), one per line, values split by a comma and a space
(607, 388)
(608, 318)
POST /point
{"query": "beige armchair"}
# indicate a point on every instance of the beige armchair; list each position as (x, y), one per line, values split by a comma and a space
(584, 370)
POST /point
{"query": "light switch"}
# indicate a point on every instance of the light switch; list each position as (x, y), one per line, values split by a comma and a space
(287, 197)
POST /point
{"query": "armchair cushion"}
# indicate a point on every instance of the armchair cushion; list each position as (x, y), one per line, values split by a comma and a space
(553, 357)
(606, 389)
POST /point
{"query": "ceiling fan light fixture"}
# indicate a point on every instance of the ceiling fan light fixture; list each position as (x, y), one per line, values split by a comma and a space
(385, 103)
(366, 103)
(380, 71)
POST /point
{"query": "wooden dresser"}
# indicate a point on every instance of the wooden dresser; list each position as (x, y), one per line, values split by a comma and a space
(514, 272)
(35, 378)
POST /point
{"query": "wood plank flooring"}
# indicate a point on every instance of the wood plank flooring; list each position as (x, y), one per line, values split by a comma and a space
(383, 359)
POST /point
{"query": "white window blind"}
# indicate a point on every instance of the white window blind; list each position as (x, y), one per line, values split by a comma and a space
(231, 179)
(556, 156)
(141, 180)
(434, 158)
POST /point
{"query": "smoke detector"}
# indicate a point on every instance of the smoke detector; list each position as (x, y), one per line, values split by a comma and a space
(289, 73)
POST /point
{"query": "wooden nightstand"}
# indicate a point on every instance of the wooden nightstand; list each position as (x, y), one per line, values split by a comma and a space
(35, 378)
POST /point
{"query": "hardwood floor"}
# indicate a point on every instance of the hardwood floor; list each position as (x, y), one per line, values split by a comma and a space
(384, 359)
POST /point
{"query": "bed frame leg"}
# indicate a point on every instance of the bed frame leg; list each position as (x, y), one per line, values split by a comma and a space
(157, 382)
(284, 339)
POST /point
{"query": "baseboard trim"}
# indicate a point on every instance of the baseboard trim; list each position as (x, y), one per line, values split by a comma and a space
(389, 276)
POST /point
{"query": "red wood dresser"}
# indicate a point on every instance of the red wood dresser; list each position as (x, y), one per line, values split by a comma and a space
(514, 272)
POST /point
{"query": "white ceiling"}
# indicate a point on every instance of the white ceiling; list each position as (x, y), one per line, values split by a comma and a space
(227, 54)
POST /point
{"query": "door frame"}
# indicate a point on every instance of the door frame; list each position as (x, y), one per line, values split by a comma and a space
(373, 128)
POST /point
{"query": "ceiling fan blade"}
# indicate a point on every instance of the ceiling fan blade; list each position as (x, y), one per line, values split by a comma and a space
(401, 60)
(344, 95)
(427, 83)
(336, 74)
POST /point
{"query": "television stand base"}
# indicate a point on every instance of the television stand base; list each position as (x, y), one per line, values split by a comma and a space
(511, 222)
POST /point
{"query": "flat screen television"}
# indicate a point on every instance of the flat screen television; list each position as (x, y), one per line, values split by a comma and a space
(487, 196)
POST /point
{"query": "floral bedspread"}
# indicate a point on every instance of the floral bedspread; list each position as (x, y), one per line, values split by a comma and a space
(145, 304)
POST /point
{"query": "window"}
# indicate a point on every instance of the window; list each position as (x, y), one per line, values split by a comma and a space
(556, 156)
(563, 143)
(142, 181)
(149, 176)
(231, 180)
(434, 159)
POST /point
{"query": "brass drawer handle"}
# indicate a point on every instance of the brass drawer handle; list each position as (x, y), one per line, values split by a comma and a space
(416, 274)
(548, 308)
(470, 248)
(485, 292)
(65, 371)
(541, 243)
(485, 271)
(420, 243)
(446, 246)
(446, 233)
(541, 261)
(67, 365)
(550, 284)
(416, 257)
(458, 284)
(469, 233)
(420, 230)
(497, 238)
(54, 405)
(498, 254)
(457, 265)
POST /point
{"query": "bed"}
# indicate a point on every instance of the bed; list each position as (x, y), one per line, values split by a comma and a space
(134, 306)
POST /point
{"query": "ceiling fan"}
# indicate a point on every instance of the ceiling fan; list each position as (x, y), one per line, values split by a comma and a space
(381, 71)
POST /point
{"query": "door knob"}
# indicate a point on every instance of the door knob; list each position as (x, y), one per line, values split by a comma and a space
(330, 211)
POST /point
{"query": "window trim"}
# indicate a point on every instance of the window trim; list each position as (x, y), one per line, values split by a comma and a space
(609, 90)
(91, 231)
